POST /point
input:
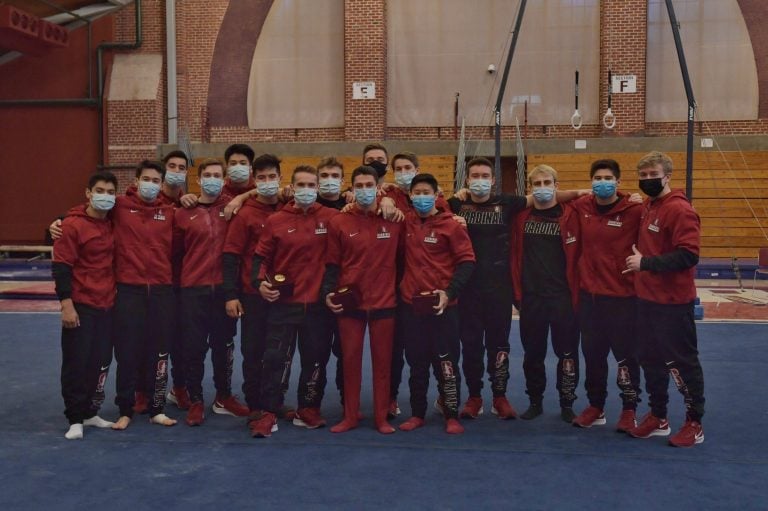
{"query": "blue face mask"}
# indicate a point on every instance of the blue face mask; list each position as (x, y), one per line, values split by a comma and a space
(102, 201)
(175, 179)
(423, 203)
(268, 188)
(148, 190)
(211, 186)
(330, 186)
(480, 187)
(365, 196)
(238, 173)
(305, 197)
(543, 195)
(403, 179)
(604, 189)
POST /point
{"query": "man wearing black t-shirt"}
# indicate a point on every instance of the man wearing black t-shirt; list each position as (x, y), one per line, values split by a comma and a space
(545, 241)
(485, 307)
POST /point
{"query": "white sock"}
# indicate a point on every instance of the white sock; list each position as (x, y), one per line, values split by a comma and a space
(98, 422)
(75, 432)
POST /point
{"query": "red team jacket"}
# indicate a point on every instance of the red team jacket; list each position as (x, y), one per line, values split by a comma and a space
(570, 234)
(243, 235)
(293, 243)
(606, 241)
(143, 241)
(434, 247)
(365, 247)
(403, 200)
(87, 246)
(199, 235)
(669, 223)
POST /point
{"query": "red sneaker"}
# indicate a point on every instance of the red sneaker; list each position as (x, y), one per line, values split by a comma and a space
(264, 425)
(650, 426)
(140, 402)
(394, 410)
(309, 418)
(230, 405)
(196, 414)
(180, 397)
(344, 426)
(473, 408)
(626, 421)
(689, 435)
(502, 409)
(411, 424)
(591, 416)
(453, 427)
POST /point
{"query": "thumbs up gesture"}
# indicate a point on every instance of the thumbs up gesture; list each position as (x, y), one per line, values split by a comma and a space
(633, 261)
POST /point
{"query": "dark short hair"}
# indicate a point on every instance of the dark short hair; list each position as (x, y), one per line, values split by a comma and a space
(105, 176)
(149, 164)
(371, 147)
(406, 155)
(209, 162)
(307, 169)
(479, 161)
(240, 149)
(609, 164)
(266, 161)
(365, 170)
(330, 162)
(425, 178)
(176, 154)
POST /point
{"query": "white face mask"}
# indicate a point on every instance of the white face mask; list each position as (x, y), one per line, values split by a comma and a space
(239, 173)
(330, 185)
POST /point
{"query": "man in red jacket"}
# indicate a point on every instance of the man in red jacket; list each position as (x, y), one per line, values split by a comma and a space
(359, 242)
(439, 261)
(199, 236)
(545, 241)
(286, 273)
(242, 299)
(609, 223)
(85, 285)
(664, 263)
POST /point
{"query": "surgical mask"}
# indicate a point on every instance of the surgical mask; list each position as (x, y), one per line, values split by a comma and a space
(149, 190)
(238, 173)
(604, 189)
(102, 201)
(480, 187)
(380, 168)
(544, 194)
(403, 179)
(423, 203)
(211, 185)
(365, 196)
(330, 186)
(175, 179)
(305, 197)
(268, 188)
(652, 187)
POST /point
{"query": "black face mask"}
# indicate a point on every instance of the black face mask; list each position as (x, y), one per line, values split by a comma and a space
(380, 168)
(651, 187)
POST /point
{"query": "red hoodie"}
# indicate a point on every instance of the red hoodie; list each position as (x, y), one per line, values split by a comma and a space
(243, 236)
(365, 246)
(198, 235)
(293, 243)
(569, 232)
(87, 246)
(233, 190)
(669, 223)
(403, 200)
(606, 241)
(434, 247)
(143, 240)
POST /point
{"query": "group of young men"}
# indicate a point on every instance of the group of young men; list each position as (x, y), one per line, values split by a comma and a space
(311, 266)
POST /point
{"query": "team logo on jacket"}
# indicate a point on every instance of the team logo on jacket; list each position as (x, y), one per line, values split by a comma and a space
(320, 228)
(431, 238)
(654, 226)
(159, 215)
(383, 233)
(616, 222)
(221, 213)
(569, 238)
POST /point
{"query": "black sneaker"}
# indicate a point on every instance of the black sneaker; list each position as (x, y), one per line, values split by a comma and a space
(566, 413)
(533, 411)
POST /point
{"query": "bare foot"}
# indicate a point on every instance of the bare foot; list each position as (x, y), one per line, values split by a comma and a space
(162, 420)
(122, 423)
